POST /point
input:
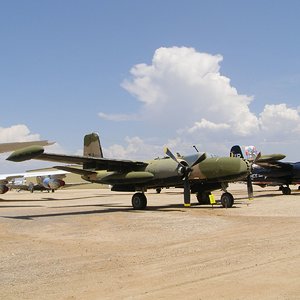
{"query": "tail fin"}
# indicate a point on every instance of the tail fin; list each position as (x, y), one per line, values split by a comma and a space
(236, 151)
(92, 146)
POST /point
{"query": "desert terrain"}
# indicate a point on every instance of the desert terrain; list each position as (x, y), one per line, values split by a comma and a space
(90, 244)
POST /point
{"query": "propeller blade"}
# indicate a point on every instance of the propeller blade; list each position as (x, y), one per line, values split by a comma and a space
(186, 172)
(256, 158)
(171, 155)
(249, 187)
(249, 181)
(200, 158)
(187, 192)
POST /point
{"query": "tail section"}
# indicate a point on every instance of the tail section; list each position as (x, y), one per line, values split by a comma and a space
(92, 146)
(236, 151)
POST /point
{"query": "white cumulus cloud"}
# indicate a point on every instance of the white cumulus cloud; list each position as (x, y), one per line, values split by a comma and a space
(17, 133)
(182, 86)
(280, 121)
(185, 98)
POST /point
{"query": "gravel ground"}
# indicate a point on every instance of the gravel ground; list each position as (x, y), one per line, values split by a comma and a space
(90, 244)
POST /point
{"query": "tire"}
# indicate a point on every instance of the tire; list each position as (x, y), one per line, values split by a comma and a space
(286, 191)
(203, 198)
(139, 201)
(227, 200)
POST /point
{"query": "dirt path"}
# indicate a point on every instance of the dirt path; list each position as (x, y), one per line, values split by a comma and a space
(90, 244)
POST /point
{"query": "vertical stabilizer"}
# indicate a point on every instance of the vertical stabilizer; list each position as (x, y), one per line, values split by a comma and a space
(236, 151)
(92, 146)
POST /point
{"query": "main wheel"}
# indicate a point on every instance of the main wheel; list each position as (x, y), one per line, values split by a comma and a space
(286, 190)
(139, 201)
(227, 200)
(203, 198)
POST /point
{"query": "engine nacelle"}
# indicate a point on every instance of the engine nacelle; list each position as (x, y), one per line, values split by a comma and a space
(53, 183)
(3, 189)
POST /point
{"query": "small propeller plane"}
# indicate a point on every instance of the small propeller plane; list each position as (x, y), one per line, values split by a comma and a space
(269, 170)
(46, 180)
(195, 173)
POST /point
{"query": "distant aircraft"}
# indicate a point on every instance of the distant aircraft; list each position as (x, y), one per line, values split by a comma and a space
(268, 170)
(194, 173)
(8, 147)
(52, 182)
(46, 180)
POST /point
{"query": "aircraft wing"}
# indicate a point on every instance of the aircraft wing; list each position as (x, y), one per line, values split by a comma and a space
(7, 147)
(78, 171)
(5, 178)
(272, 161)
(101, 163)
(36, 152)
(275, 165)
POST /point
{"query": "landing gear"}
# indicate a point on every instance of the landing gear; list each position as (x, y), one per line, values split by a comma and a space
(139, 201)
(203, 198)
(286, 190)
(158, 190)
(227, 200)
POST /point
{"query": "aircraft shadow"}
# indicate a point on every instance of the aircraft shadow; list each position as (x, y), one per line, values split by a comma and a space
(114, 208)
(18, 206)
(52, 199)
(74, 213)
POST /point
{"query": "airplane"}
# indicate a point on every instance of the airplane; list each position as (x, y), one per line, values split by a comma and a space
(197, 173)
(46, 180)
(44, 183)
(269, 170)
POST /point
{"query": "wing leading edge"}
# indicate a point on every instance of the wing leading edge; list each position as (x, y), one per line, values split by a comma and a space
(88, 162)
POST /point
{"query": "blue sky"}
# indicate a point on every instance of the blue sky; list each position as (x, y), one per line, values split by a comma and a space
(131, 71)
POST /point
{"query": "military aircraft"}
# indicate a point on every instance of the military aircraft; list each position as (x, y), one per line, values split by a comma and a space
(45, 183)
(46, 180)
(269, 170)
(195, 173)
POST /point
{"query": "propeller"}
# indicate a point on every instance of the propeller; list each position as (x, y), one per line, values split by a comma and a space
(249, 181)
(185, 170)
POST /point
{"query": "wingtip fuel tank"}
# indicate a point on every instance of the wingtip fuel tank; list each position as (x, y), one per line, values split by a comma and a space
(26, 153)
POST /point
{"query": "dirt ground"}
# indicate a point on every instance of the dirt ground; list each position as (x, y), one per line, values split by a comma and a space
(90, 244)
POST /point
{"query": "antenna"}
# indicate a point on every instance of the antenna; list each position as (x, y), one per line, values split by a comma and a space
(195, 148)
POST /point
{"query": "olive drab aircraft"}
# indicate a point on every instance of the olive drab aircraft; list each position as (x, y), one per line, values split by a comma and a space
(269, 170)
(195, 173)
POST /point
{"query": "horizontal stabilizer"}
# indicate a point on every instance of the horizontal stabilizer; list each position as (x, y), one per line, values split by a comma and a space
(75, 170)
(271, 157)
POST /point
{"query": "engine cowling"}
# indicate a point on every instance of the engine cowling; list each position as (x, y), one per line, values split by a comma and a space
(53, 183)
